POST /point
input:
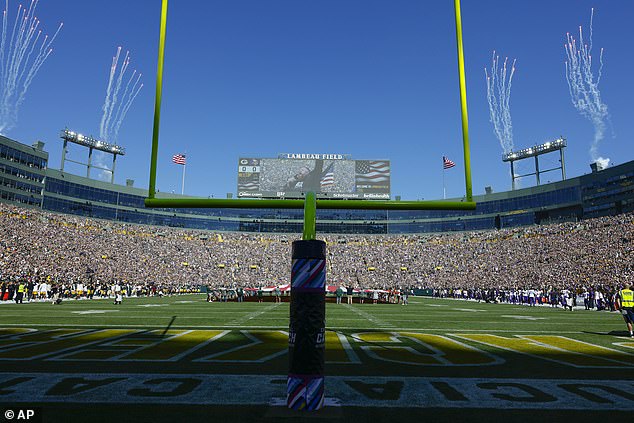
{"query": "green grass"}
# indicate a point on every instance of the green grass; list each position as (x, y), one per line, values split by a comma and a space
(377, 351)
(192, 311)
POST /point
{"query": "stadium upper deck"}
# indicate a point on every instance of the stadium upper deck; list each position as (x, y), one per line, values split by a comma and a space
(26, 179)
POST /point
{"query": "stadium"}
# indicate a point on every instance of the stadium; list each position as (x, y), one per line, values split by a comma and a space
(468, 338)
(27, 180)
(122, 303)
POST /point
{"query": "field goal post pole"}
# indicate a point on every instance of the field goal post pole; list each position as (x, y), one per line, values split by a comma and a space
(307, 317)
(463, 104)
(305, 383)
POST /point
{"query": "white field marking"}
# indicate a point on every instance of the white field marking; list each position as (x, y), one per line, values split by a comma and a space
(149, 311)
(11, 335)
(437, 353)
(495, 360)
(70, 348)
(523, 317)
(567, 317)
(213, 311)
(109, 343)
(368, 349)
(157, 314)
(565, 363)
(256, 341)
(278, 327)
(607, 350)
(467, 309)
(369, 317)
(94, 311)
(116, 344)
(434, 305)
(61, 357)
(251, 316)
(354, 358)
(143, 316)
(199, 346)
(624, 344)
(131, 308)
(416, 392)
(176, 357)
(184, 302)
(449, 312)
(52, 339)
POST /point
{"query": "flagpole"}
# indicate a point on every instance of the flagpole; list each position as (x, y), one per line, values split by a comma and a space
(183, 184)
(444, 193)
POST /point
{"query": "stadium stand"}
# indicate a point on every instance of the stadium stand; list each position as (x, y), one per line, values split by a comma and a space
(539, 244)
(591, 256)
(26, 179)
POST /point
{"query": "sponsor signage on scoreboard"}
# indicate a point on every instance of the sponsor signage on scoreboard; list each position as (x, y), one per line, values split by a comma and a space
(328, 175)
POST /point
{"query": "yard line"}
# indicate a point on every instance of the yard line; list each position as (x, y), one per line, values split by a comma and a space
(329, 328)
(369, 317)
(241, 320)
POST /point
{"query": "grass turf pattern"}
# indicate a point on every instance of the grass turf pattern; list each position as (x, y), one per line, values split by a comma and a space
(429, 354)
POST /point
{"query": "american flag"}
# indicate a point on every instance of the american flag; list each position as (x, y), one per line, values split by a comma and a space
(249, 183)
(248, 186)
(178, 159)
(328, 176)
(372, 171)
(446, 163)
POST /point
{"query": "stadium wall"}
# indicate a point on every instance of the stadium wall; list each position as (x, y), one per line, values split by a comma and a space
(30, 182)
(22, 172)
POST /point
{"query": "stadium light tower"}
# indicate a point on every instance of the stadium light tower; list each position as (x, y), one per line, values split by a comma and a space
(92, 144)
(548, 147)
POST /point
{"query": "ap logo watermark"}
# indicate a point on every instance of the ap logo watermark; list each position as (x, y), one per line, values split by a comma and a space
(19, 414)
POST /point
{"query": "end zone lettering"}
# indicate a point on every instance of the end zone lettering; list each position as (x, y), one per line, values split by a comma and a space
(494, 393)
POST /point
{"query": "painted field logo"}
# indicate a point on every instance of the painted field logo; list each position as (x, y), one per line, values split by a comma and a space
(259, 346)
(421, 349)
(559, 349)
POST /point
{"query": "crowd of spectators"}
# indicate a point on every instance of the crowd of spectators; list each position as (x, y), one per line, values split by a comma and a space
(592, 257)
(599, 298)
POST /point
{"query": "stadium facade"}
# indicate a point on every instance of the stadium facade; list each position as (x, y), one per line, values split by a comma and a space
(26, 179)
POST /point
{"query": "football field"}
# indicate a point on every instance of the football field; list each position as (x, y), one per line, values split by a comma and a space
(183, 359)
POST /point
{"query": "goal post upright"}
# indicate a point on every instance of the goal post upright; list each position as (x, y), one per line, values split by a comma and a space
(157, 102)
(305, 383)
(154, 202)
(463, 103)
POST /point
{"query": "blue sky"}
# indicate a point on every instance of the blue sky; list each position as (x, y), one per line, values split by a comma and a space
(374, 79)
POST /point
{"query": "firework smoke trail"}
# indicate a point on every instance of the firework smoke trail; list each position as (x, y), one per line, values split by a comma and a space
(45, 51)
(115, 96)
(584, 90)
(126, 93)
(132, 95)
(499, 98)
(117, 103)
(18, 67)
(108, 100)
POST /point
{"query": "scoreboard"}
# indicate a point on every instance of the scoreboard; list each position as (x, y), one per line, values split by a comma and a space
(328, 175)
